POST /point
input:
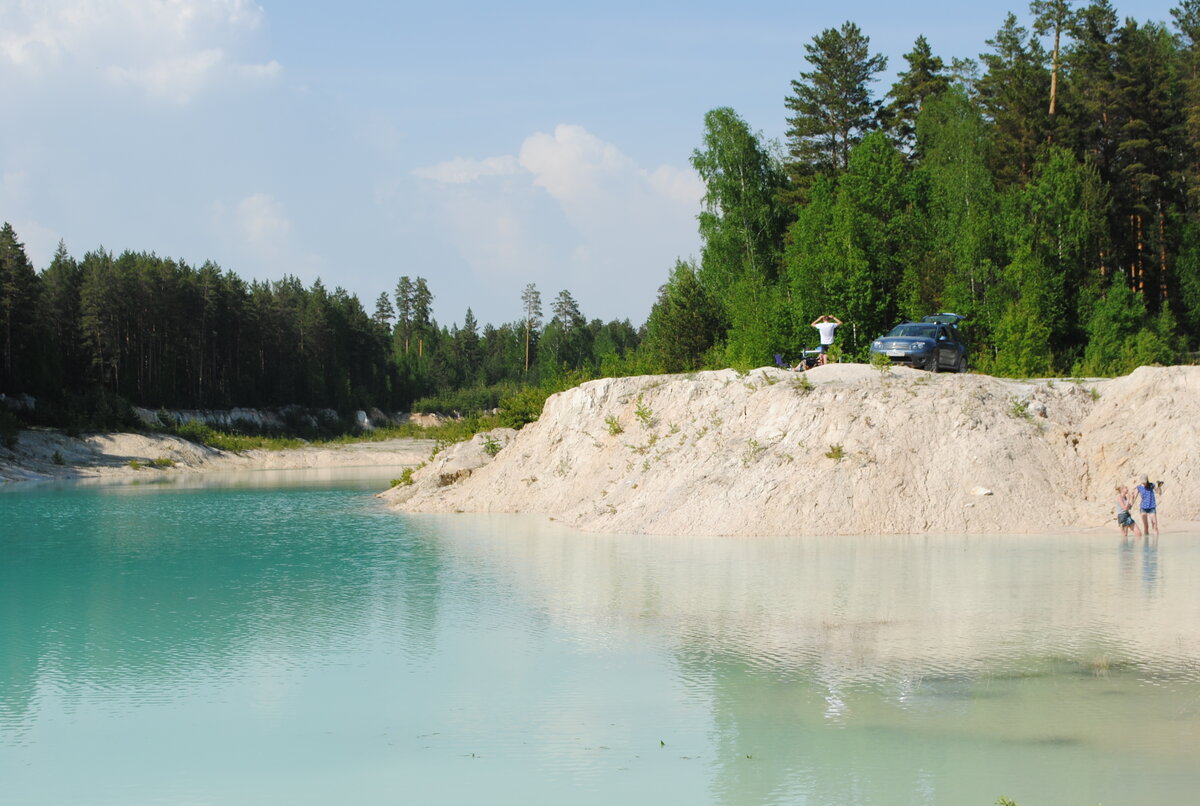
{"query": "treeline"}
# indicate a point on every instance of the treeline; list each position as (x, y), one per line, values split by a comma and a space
(83, 336)
(1049, 191)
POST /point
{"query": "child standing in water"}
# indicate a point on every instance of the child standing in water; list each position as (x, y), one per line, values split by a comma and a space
(1124, 519)
(1149, 505)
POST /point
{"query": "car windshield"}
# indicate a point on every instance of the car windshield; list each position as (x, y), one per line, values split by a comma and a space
(913, 331)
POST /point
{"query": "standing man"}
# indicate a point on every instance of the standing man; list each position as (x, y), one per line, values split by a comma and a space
(826, 325)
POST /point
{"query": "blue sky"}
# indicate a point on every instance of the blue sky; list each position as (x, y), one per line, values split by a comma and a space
(481, 146)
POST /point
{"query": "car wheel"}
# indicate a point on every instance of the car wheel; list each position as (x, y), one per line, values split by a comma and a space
(931, 363)
(962, 364)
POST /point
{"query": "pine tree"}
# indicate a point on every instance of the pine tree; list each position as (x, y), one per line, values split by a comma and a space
(831, 105)
(1149, 159)
(531, 307)
(1011, 93)
(18, 301)
(1057, 17)
(926, 76)
(1091, 62)
(683, 324)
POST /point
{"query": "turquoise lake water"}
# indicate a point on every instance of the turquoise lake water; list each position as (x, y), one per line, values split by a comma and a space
(285, 639)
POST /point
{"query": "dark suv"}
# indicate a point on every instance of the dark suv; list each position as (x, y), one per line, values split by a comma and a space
(933, 344)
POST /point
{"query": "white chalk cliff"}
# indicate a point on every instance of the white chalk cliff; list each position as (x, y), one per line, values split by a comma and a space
(842, 449)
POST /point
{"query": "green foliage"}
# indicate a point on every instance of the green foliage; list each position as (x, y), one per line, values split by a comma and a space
(881, 362)
(491, 445)
(683, 324)
(473, 400)
(57, 458)
(162, 462)
(836, 452)
(1119, 339)
(644, 413)
(831, 105)
(136, 464)
(523, 407)
(614, 425)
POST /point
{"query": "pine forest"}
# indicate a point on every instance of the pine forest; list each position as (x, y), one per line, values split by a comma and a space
(1048, 191)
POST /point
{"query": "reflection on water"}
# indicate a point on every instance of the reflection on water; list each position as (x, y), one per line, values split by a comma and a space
(300, 644)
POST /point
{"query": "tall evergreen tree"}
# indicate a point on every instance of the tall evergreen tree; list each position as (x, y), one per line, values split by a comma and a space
(831, 105)
(1149, 157)
(18, 305)
(1053, 17)
(1091, 62)
(1012, 94)
(60, 314)
(531, 307)
(683, 324)
(926, 76)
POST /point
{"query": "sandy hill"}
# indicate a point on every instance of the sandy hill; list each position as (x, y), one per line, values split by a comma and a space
(843, 449)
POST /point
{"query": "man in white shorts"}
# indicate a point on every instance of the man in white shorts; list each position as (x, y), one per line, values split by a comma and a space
(826, 325)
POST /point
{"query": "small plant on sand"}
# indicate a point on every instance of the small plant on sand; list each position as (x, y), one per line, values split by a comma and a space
(135, 464)
(491, 445)
(802, 384)
(1095, 393)
(881, 362)
(57, 458)
(1019, 408)
(162, 462)
(644, 413)
(406, 476)
(836, 452)
(752, 452)
(614, 425)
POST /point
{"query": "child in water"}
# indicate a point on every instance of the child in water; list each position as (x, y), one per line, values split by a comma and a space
(1149, 505)
(1124, 519)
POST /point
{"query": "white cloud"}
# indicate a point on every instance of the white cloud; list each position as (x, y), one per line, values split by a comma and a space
(572, 163)
(263, 225)
(462, 171)
(572, 211)
(258, 239)
(169, 49)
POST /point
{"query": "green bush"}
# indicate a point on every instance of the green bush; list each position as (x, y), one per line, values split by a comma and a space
(474, 400)
(523, 407)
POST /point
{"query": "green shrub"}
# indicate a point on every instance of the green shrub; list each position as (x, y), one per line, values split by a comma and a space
(836, 452)
(524, 407)
(475, 400)
(491, 446)
(162, 462)
(406, 476)
(57, 458)
(614, 425)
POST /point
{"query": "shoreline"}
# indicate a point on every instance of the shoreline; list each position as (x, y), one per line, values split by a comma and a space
(129, 455)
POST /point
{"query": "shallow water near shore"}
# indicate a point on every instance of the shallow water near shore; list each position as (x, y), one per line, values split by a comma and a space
(284, 638)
